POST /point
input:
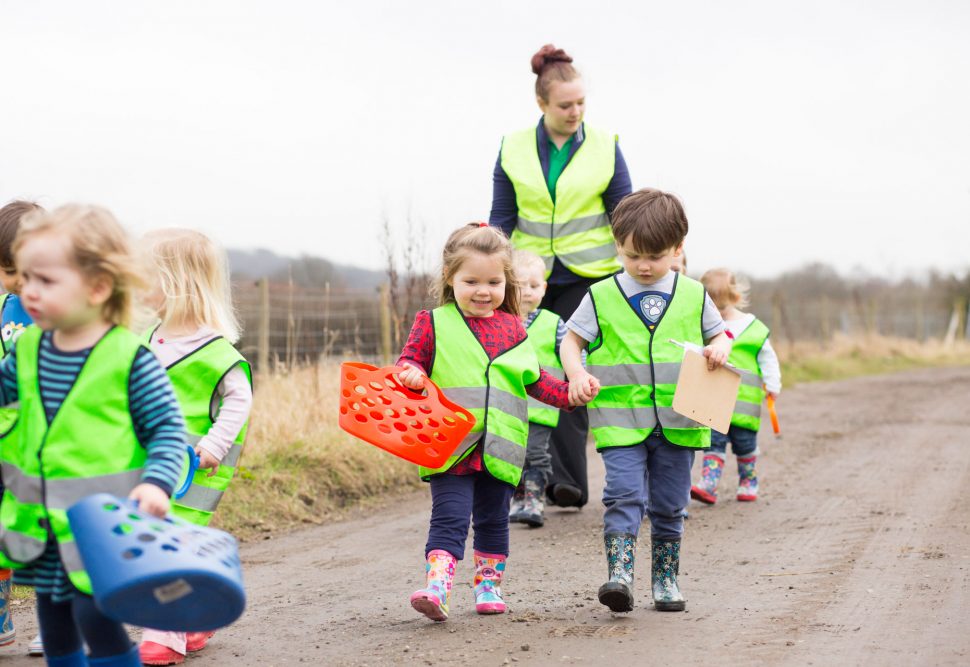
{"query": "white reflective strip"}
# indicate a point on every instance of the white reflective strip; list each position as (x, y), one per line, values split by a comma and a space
(62, 493)
(745, 408)
(607, 251)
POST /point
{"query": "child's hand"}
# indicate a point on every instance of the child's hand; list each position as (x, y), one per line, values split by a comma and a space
(151, 499)
(207, 460)
(715, 357)
(583, 388)
(412, 377)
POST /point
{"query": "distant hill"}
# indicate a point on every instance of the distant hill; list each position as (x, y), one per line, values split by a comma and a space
(306, 271)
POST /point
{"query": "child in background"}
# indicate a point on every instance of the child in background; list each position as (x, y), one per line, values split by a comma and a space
(212, 381)
(628, 322)
(14, 320)
(473, 346)
(97, 414)
(546, 331)
(752, 352)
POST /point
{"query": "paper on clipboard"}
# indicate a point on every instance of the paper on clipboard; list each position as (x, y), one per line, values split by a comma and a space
(708, 397)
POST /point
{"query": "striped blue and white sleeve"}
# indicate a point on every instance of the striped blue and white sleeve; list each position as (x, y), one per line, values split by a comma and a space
(158, 421)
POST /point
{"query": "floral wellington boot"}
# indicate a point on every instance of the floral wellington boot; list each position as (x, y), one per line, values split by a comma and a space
(432, 600)
(532, 506)
(666, 565)
(706, 490)
(747, 479)
(489, 569)
(617, 593)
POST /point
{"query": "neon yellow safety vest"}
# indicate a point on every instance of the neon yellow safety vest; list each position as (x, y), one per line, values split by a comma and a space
(744, 355)
(575, 228)
(90, 446)
(638, 368)
(195, 379)
(542, 335)
(493, 391)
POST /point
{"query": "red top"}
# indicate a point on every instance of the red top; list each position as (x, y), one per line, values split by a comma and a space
(497, 333)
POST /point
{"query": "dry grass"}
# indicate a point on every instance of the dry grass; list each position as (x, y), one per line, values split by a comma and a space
(864, 355)
(298, 466)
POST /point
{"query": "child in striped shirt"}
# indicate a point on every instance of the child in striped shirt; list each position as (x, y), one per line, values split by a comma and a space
(97, 413)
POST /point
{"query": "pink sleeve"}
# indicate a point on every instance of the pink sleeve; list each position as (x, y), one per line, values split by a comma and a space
(237, 401)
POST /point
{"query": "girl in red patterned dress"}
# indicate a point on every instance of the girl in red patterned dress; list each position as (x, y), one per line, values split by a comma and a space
(471, 347)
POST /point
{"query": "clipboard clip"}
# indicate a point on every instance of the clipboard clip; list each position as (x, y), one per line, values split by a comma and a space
(693, 347)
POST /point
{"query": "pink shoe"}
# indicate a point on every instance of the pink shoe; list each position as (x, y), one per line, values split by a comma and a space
(156, 654)
(196, 641)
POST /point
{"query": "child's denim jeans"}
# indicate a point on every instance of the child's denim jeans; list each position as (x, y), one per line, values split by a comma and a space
(744, 442)
(652, 479)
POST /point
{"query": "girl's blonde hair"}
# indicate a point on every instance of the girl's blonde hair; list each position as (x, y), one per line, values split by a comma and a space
(522, 259)
(725, 288)
(99, 247)
(471, 238)
(193, 273)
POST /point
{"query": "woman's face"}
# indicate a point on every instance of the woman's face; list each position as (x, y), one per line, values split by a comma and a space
(565, 107)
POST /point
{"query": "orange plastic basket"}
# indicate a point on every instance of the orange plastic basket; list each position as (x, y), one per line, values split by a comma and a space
(377, 408)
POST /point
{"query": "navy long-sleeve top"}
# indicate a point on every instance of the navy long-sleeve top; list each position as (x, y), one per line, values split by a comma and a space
(505, 208)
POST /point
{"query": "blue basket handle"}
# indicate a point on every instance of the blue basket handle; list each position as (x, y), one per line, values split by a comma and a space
(193, 466)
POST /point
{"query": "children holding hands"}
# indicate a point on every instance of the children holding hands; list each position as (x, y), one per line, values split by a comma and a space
(474, 347)
(627, 323)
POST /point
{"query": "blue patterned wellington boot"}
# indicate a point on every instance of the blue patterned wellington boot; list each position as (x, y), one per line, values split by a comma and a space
(663, 575)
(7, 632)
(617, 593)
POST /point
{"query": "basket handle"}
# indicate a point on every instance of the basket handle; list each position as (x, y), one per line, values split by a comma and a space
(193, 466)
(429, 385)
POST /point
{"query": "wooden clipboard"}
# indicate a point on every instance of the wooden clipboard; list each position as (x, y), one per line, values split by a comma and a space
(707, 397)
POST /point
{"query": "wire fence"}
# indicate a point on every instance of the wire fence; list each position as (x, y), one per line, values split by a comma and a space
(286, 325)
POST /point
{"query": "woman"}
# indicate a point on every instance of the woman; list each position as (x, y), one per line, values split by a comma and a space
(554, 189)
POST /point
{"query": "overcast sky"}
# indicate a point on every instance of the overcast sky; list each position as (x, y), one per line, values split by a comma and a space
(793, 131)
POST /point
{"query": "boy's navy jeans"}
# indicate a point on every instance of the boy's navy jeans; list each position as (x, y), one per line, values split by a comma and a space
(652, 479)
(456, 501)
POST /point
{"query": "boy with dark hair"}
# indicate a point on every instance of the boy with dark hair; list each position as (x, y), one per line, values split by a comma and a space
(627, 322)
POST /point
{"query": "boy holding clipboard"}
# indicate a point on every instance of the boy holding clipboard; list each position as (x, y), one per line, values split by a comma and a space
(627, 322)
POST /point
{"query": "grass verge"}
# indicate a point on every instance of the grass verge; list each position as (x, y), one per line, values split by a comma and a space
(845, 357)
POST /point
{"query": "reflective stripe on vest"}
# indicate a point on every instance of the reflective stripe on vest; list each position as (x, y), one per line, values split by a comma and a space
(494, 391)
(542, 335)
(575, 228)
(744, 355)
(195, 379)
(638, 369)
(90, 446)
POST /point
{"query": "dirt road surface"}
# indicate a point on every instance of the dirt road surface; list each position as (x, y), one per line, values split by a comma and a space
(858, 553)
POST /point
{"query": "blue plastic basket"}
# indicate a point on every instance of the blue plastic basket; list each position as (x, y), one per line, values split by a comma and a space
(166, 574)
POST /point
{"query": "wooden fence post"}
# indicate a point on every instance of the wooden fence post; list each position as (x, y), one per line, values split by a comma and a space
(386, 324)
(262, 358)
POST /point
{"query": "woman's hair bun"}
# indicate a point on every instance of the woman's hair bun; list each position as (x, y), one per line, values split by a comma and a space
(547, 55)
